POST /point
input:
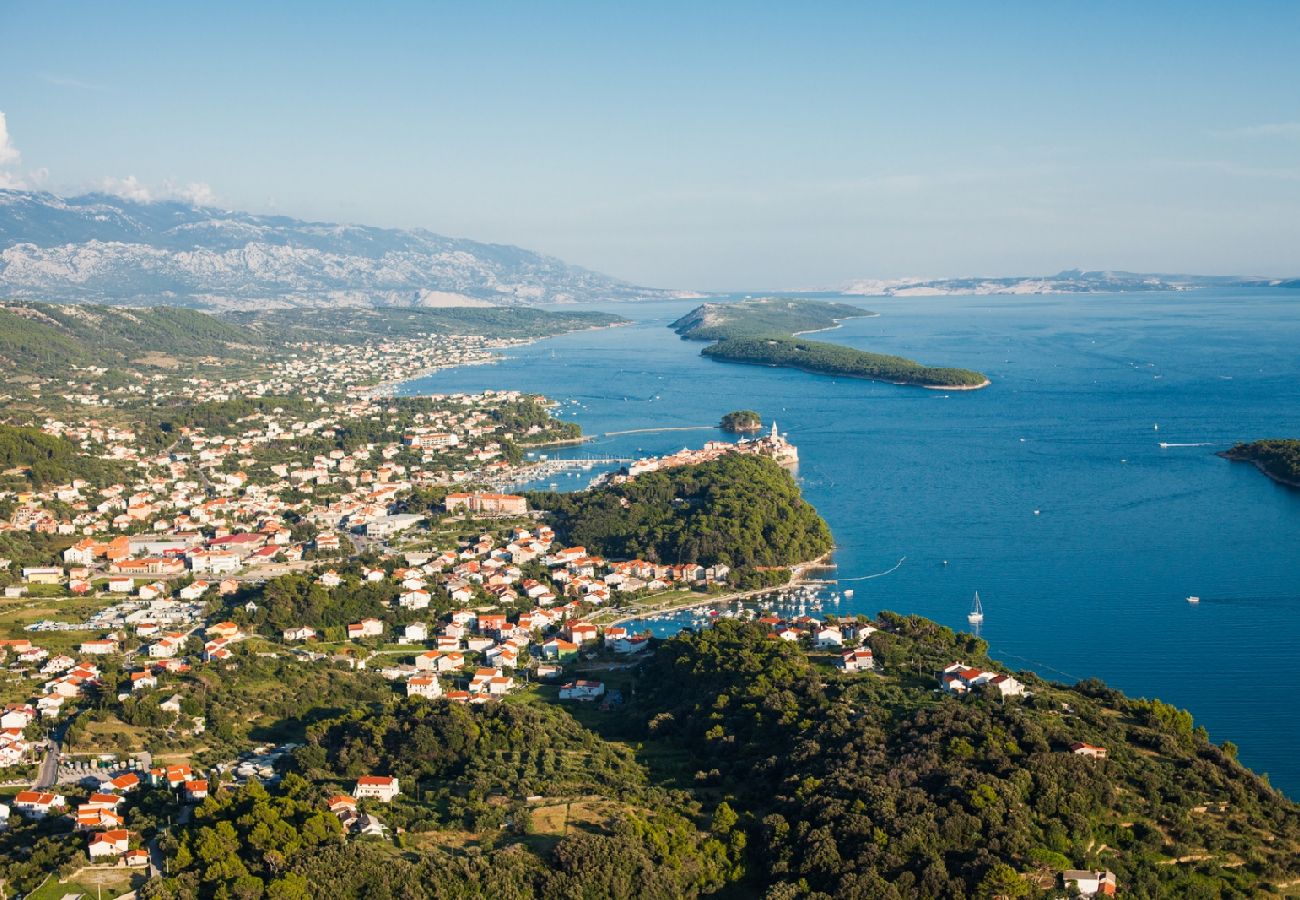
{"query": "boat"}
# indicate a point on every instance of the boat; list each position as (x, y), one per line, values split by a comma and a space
(1193, 599)
(848, 595)
(976, 614)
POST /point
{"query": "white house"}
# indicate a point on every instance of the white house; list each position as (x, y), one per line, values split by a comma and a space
(582, 690)
(301, 633)
(1090, 884)
(377, 787)
(829, 637)
(423, 686)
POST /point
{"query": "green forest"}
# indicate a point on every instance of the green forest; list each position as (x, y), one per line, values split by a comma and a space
(740, 511)
(45, 459)
(741, 420)
(836, 359)
(1278, 458)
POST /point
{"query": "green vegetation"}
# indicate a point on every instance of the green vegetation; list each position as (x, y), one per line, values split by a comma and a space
(46, 339)
(741, 511)
(741, 421)
(761, 318)
(48, 460)
(836, 359)
(508, 800)
(354, 326)
(1278, 458)
(873, 786)
(762, 332)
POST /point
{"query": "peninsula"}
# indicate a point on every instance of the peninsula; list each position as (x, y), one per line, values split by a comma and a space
(764, 332)
(1278, 458)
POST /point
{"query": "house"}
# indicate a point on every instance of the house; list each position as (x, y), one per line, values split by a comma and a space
(376, 787)
(109, 843)
(365, 628)
(1079, 748)
(40, 575)
(17, 715)
(582, 690)
(196, 790)
(426, 686)
(222, 630)
(615, 633)
(582, 632)
(38, 804)
(99, 648)
(416, 631)
(559, 649)
(828, 637)
(633, 644)
(301, 633)
(1090, 884)
(859, 660)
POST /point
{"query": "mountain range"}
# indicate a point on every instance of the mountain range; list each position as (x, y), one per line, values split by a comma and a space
(100, 248)
(1071, 281)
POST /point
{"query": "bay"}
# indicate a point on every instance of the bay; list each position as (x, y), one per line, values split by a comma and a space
(1048, 492)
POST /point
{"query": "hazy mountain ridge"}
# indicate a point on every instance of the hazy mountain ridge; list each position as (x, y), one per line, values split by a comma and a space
(107, 249)
(1070, 281)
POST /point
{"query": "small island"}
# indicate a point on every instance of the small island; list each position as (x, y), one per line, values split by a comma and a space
(1278, 458)
(765, 332)
(741, 421)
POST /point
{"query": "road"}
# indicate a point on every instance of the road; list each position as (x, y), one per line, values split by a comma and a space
(49, 773)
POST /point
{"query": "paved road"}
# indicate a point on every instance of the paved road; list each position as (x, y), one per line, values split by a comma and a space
(49, 773)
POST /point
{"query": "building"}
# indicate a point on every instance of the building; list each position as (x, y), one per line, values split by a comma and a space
(1090, 884)
(582, 690)
(376, 787)
(114, 843)
(487, 504)
(426, 686)
(1079, 748)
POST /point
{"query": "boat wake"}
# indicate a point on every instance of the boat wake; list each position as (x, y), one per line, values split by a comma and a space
(1164, 445)
(896, 567)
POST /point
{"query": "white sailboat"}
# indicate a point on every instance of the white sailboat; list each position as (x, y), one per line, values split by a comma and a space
(976, 614)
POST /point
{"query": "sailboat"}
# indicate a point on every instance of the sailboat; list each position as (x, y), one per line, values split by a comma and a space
(976, 614)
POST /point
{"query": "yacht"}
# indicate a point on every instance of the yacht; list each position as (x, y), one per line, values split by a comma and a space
(1193, 599)
(976, 614)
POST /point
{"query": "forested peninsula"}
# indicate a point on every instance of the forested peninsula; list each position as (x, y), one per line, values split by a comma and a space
(764, 332)
(1278, 458)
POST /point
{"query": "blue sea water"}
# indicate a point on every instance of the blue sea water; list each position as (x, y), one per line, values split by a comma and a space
(1047, 492)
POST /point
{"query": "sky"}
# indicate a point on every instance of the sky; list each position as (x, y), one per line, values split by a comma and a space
(718, 146)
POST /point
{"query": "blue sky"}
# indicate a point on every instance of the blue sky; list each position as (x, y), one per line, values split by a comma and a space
(715, 146)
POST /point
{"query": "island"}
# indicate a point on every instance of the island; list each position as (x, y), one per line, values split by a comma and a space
(765, 332)
(1278, 458)
(741, 421)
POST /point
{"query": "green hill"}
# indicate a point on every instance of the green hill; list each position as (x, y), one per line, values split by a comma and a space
(40, 459)
(45, 339)
(763, 332)
(353, 325)
(762, 317)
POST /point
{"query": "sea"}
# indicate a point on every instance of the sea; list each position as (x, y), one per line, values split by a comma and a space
(1080, 493)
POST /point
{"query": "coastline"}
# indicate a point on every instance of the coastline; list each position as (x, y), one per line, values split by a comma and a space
(1285, 482)
(928, 387)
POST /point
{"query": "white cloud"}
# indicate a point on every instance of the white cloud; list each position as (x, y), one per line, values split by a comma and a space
(128, 188)
(9, 155)
(198, 193)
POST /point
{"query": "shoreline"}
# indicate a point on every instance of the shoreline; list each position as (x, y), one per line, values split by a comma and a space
(928, 387)
(1277, 479)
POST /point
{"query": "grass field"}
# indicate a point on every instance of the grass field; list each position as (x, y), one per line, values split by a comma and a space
(92, 884)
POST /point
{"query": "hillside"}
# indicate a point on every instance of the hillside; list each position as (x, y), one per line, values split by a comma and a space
(762, 317)
(38, 459)
(743, 766)
(353, 325)
(105, 249)
(44, 338)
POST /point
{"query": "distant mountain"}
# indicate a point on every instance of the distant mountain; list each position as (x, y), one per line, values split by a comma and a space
(106, 249)
(1071, 281)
